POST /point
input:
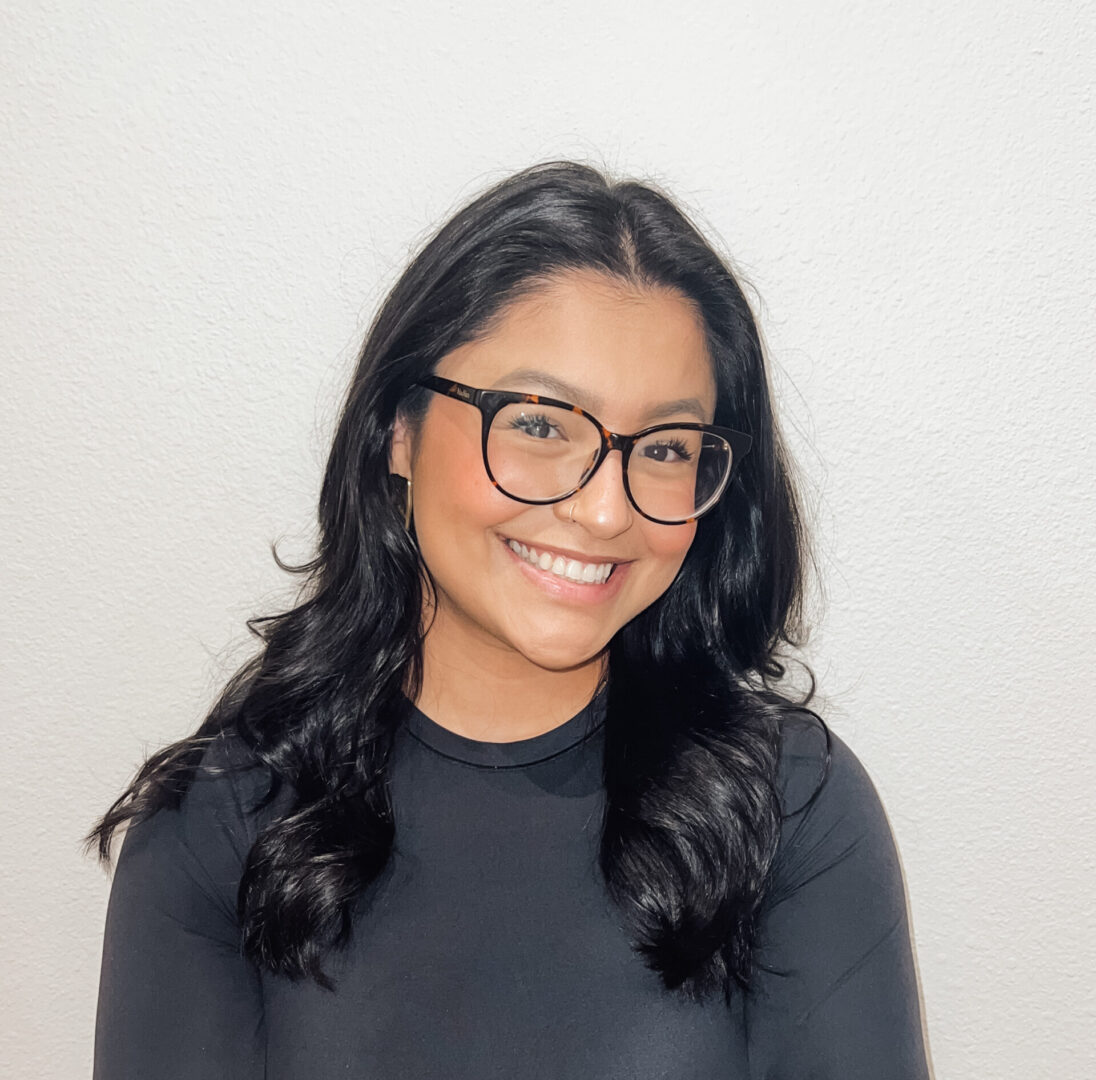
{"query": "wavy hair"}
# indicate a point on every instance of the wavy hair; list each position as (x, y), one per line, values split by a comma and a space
(694, 712)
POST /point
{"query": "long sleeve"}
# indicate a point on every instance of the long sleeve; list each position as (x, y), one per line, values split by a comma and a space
(835, 997)
(177, 1000)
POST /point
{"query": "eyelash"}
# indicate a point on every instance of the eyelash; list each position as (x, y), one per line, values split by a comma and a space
(676, 445)
(519, 422)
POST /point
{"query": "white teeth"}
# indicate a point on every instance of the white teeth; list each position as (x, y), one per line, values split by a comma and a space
(571, 569)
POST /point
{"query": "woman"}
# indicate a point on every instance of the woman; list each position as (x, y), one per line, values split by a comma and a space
(512, 791)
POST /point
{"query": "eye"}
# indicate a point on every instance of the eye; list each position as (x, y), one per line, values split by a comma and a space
(536, 425)
(660, 451)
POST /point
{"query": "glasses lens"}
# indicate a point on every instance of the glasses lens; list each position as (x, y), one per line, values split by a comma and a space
(540, 451)
(543, 452)
(678, 473)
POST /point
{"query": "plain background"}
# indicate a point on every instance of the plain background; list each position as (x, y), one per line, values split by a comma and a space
(203, 204)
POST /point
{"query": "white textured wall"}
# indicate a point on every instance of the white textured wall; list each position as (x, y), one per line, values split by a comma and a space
(201, 204)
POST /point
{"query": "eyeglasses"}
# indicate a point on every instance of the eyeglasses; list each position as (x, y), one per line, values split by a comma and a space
(673, 473)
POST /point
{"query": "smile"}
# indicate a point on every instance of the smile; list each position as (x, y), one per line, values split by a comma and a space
(571, 569)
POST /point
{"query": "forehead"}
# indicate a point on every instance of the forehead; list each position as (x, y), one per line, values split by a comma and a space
(625, 348)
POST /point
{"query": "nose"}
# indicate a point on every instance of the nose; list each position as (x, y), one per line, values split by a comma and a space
(601, 504)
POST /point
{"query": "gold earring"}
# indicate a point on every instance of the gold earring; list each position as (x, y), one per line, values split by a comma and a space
(407, 509)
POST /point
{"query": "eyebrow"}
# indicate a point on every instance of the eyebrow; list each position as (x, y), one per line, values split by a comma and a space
(592, 403)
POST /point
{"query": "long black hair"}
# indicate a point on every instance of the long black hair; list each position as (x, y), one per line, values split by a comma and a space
(694, 709)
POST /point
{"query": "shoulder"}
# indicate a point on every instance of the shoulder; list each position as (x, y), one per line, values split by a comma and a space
(815, 763)
(178, 869)
(831, 808)
(834, 991)
(214, 818)
(227, 789)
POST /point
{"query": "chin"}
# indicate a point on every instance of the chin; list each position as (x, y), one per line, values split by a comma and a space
(561, 659)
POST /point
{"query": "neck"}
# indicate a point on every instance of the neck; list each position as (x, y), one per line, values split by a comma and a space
(494, 694)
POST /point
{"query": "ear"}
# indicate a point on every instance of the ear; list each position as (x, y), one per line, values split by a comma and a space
(399, 449)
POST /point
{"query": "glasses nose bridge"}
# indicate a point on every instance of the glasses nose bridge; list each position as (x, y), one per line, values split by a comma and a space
(610, 442)
(614, 441)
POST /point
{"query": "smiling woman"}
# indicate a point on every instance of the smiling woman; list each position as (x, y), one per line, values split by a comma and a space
(515, 789)
(537, 637)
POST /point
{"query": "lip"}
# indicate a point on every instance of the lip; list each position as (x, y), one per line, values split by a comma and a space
(569, 553)
(562, 589)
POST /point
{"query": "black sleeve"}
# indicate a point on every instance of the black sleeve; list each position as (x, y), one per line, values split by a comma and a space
(835, 996)
(177, 1000)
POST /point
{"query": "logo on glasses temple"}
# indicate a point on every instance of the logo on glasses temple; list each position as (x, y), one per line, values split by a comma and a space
(466, 394)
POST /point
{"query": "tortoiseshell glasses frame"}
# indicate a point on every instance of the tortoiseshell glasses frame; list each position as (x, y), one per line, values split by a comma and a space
(489, 402)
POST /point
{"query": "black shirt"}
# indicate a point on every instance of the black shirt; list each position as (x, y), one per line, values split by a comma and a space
(488, 948)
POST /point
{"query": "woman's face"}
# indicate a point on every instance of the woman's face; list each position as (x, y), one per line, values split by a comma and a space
(625, 352)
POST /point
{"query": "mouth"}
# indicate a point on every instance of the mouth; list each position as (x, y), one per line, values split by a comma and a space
(563, 574)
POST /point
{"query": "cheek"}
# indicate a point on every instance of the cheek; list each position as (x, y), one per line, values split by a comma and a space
(670, 543)
(452, 489)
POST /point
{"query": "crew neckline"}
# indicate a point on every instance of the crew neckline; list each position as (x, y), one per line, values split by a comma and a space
(504, 755)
